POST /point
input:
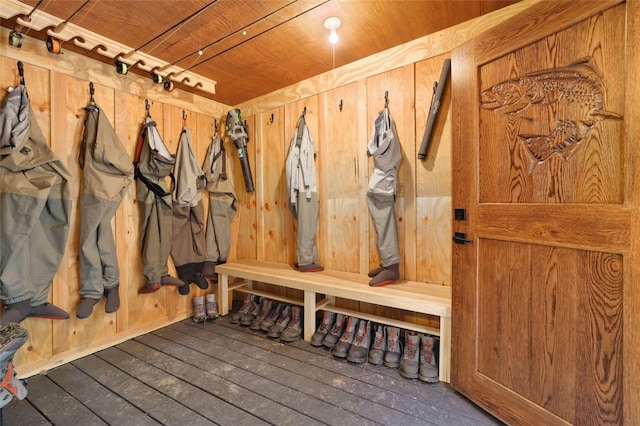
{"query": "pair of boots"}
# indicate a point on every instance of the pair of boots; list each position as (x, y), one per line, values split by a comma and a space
(383, 275)
(419, 358)
(85, 308)
(288, 326)
(348, 337)
(247, 312)
(191, 273)
(205, 308)
(386, 347)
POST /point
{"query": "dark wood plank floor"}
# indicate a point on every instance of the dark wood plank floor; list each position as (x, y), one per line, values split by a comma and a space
(221, 373)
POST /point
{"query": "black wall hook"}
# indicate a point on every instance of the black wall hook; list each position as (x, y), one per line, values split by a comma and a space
(21, 72)
(386, 98)
(271, 119)
(340, 105)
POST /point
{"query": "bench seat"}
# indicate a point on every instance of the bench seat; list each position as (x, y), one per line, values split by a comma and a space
(413, 296)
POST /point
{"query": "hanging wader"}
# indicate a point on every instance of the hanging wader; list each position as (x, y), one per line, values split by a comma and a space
(35, 207)
(107, 172)
(153, 165)
(188, 244)
(223, 206)
(385, 149)
(303, 196)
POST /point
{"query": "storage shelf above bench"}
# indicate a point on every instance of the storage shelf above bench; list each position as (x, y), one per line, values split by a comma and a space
(412, 296)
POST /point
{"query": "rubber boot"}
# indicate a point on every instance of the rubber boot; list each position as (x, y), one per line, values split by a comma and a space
(410, 361)
(85, 309)
(428, 371)
(394, 351)
(199, 314)
(265, 310)
(113, 299)
(234, 318)
(325, 326)
(48, 311)
(359, 349)
(334, 334)
(12, 337)
(342, 346)
(293, 331)
(379, 346)
(276, 329)
(211, 306)
(372, 273)
(254, 309)
(16, 312)
(273, 316)
(388, 275)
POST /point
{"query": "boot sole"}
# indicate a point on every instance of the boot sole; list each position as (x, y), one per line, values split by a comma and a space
(356, 360)
(391, 365)
(408, 375)
(290, 339)
(429, 379)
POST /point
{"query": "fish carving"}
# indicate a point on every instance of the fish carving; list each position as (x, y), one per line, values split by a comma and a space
(577, 93)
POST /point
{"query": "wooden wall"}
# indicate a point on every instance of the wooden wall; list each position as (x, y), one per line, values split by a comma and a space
(263, 228)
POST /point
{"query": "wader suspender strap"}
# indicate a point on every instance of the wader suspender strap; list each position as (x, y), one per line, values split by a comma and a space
(153, 187)
(300, 134)
(222, 153)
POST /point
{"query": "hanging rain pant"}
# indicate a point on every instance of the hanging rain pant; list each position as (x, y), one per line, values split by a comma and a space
(385, 149)
(35, 207)
(107, 172)
(154, 164)
(303, 196)
(188, 244)
(223, 206)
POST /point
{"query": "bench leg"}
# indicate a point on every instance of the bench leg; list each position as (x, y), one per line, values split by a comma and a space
(445, 349)
(223, 294)
(309, 314)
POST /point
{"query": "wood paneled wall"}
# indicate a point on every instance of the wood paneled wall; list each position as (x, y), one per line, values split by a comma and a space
(263, 228)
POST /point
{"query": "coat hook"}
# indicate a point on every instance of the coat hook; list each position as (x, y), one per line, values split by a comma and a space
(91, 90)
(386, 98)
(271, 119)
(304, 112)
(215, 124)
(184, 115)
(340, 105)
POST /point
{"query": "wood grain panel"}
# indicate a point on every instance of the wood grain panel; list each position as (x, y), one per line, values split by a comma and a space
(433, 240)
(566, 326)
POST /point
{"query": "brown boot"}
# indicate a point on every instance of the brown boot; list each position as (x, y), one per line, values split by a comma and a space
(332, 336)
(359, 349)
(394, 351)
(271, 319)
(323, 329)
(409, 363)
(234, 318)
(198, 309)
(254, 309)
(276, 329)
(211, 306)
(342, 346)
(265, 310)
(376, 353)
(428, 371)
(293, 331)
(388, 275)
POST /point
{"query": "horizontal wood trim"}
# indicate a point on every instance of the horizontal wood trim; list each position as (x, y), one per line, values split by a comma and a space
(409, 295)
(595, 227)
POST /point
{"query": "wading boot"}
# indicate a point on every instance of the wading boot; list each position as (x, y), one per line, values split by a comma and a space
(47, 311)
(323, 328)
(359, 349)
(234, 318)
(211, 306)
(293, 331)
(332, 336)
(254, 309)
(276, 329)
(388, 275)
(379, 346)
(409, 363)
(273, 316)
(265, 310)
(428, 371)
(394, 352)
(199, 314)
(342, 346)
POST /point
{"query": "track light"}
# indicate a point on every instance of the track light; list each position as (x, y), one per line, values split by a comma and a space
(15, 39)
(121, 67)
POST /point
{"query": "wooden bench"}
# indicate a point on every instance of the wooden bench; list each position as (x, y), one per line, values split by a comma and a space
(413, 296)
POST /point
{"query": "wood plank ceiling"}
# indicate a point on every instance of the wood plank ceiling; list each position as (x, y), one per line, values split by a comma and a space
(253, 47)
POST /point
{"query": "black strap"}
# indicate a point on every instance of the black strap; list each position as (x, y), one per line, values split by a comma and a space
(154, 187)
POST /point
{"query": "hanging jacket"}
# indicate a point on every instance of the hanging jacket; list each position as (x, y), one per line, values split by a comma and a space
(300, 164)
(190, 178)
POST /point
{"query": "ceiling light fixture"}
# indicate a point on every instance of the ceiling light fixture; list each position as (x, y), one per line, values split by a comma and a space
(332, 23)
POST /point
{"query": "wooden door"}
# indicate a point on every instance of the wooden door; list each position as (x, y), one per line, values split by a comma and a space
(544, 293)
